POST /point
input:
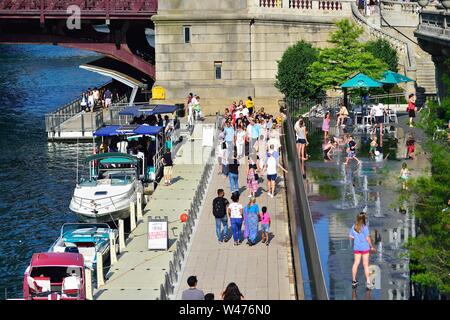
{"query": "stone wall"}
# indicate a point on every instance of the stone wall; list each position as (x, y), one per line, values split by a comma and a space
(247, 42)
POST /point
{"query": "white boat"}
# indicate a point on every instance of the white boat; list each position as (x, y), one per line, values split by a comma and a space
(87, 239)
(113, 183)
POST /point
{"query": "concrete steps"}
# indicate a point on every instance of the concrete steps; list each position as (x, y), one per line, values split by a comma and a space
(426, 77)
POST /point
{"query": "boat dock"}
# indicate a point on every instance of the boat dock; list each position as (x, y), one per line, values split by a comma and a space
(146, 274)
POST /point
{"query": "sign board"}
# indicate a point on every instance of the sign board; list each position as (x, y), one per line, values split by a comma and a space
(157, 233)
(208, 136)
(158, 93)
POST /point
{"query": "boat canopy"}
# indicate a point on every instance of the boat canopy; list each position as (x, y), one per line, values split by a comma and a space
(148, 109)
(113, 157)
(85, 232)
(116, 130)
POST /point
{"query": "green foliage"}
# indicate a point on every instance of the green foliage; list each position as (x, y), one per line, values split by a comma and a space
(430, 250)
(292, 77)
(348, 56)
(383, 50)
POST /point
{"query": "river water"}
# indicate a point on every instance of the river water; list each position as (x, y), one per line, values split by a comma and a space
(36, 177)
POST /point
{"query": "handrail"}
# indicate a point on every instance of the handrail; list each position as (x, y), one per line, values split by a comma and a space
(300, 217)
(399, 44)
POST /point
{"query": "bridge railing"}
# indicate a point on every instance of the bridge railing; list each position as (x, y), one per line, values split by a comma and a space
(302, 4)
(109, 7)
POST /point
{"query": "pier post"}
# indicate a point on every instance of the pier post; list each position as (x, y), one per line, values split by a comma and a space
(121, 236)
(132, 216)
(112, 248)
(139, 206)
(88, 278)
(100, 278)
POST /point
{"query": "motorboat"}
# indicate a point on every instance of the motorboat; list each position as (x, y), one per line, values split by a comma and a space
(55, 276)
(112, 183)
(87, 239)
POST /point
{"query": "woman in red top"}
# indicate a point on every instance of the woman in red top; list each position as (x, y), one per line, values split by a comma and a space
(412, 109)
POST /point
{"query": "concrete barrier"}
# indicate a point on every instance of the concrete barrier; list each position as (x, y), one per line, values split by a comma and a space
(121, 236)
(112, 248)
(132, 216)
(88, 279)
(100, 277)
(139, 207)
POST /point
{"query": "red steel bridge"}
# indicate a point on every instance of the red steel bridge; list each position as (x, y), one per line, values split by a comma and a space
(116, 28)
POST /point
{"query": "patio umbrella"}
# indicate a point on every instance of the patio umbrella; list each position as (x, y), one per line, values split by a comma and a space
(360, 81)
(391, 77)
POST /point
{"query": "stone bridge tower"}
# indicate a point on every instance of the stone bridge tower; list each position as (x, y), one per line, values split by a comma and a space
(226, 50)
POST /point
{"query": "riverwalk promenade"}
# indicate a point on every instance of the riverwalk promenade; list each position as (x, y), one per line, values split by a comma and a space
(139, 272)
(261, 272)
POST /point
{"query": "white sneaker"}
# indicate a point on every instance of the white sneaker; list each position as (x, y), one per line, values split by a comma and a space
(269, 194)
(249, 196)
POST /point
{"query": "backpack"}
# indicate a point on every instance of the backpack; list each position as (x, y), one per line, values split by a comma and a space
(219, 207)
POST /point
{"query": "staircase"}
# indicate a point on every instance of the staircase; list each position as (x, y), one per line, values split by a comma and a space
(426, 77)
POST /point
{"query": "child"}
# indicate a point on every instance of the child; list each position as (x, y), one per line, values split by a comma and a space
(326, 125)
(404, 175)
(373, 147)
(410, 147)
(265, 225)
(252, 182)
(351, 151)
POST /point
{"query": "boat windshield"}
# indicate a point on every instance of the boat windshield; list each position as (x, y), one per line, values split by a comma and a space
(85, 230)
(53, 276)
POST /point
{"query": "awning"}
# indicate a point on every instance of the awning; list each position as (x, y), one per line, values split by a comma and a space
(130, 111)
(112, 156)
(143, 129)
(161, 108)
(119, 71)
(106, 131)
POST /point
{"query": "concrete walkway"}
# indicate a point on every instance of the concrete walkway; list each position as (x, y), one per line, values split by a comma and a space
(261, 272)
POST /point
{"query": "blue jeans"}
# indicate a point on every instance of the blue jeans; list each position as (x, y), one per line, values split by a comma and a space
(234, 184)
(236, 226)
(219, 222)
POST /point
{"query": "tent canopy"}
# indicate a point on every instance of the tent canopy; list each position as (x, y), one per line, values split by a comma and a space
(115, 130)
(361, 81)
(112, 157)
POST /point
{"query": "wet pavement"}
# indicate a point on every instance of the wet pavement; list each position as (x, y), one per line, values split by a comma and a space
(337, 193)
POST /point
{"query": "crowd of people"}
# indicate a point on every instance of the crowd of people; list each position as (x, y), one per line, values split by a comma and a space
(96, 98)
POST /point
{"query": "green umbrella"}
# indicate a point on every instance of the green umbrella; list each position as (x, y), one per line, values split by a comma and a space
(360, 81)
(391, 77)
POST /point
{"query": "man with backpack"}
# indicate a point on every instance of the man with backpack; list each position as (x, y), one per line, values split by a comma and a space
(219, 207)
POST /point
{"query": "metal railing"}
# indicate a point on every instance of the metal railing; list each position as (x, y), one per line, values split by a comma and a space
(300, 217)
(171, 277)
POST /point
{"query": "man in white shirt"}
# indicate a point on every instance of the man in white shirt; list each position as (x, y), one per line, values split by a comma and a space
(378, 112)
(271, 167)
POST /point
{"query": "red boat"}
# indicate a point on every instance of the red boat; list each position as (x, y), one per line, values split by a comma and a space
(55, 276)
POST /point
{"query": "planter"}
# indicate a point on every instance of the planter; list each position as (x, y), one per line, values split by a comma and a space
(423, 3)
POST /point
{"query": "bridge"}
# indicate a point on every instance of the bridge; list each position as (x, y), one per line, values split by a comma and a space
(111, 27)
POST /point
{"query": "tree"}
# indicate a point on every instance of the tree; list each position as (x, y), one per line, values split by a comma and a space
(430, 250)
(292, 78)
(348, 56)
(383, 50)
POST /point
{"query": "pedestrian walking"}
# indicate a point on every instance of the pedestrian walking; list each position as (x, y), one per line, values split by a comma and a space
(235, 212)
(250, 104)
(168, 165)
(83, 102)
(411, 109)
(224, 154)
(233, 174)
(232, 292)
(220, 205)
(251, 220)
(252, 181)
(302, 141)
(271, 168)
(192, 293)
(265, 225)
(410, 147)
(362, 245)
(326, 125)
(229, 136)
(240, 141)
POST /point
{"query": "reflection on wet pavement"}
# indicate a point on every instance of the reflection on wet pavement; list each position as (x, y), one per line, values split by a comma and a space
(336, 194)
